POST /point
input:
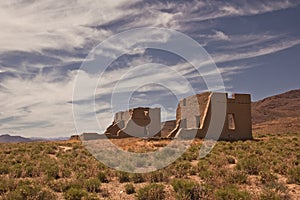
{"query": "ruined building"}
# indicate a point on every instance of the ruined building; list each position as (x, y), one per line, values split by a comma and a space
(137, 122)
(193, 113)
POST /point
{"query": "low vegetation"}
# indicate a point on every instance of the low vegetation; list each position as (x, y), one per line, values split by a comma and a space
(265, 168)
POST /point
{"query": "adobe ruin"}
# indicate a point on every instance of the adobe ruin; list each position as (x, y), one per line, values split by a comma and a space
(193, 114)
(137, 122)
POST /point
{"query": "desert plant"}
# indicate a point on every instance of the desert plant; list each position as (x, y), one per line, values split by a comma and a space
(75, 194)
(52, 171)
(231, 192)
(6, 185)
(157, 176)
(102, 177)
(137, 178)
(123, 177)
(187, 189)
(29, 190)
(251, 165)
(269, 194)
(92, 185)
(294, 175)
(236, 177)
(4, 169)
(182, 169)
(129, 188)
(152, 191)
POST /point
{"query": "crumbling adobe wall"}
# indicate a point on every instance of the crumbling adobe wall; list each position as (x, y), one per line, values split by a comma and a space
(138, 122)
(189, 114)
(192, 110)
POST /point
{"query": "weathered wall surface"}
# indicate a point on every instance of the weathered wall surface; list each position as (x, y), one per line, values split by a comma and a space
(193, 113)
(191, 110)
(189, 115)
(137, 122)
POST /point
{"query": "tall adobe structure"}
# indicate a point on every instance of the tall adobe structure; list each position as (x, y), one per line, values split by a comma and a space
(194, 113)
(137, 122)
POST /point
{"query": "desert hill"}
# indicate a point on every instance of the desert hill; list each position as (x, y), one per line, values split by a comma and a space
(10, 138)
(278, 113)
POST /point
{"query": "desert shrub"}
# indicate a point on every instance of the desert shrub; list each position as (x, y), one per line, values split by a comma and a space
(189, 156)
(75, 194)
(294, 175)
(220, 161)
(207, 174)
(65, 173)
(4, 169)
(137, 178)
(251, 165)
(6, 185)
(92, 185)
(187, 189)
(123, 177)
(236, 177)
(92, 196)
(152, 191)
(45, 194)
(231, 192)
(60, 185)
(269, 194)
(129, 188)
(281, 168)
(16, 171)
(29, 190)
(182, 169)
(182, 185)
(50, 150)
(102, 177)
(193, 170)
(267, 178)
(52, 171)
(157, 176)
(14, 195)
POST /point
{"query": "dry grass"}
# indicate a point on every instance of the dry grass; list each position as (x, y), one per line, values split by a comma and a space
(265, 168)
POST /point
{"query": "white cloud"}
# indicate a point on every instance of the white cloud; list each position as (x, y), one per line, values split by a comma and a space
(256, 51)
(221, 35)
(36, 103)
(34, 26)
(220, 9)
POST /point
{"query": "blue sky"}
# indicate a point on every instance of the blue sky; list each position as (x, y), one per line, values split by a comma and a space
(255, 45)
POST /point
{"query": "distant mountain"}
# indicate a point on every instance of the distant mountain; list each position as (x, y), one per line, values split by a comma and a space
(49, 139)
(279, 113)
(9, 138)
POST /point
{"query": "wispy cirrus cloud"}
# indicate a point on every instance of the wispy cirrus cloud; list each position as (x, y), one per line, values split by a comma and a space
(255, 51)
(35, 26)
(36, 107)
(221, 9)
